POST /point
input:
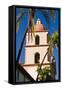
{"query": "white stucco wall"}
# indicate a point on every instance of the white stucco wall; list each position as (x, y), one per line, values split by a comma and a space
(42, 36)
(32, 70)
(30, 51)
(30, 54)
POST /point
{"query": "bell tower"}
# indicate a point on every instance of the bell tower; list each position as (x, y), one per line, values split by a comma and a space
(36, 49)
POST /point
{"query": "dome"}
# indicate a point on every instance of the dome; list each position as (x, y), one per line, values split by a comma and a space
(39, 26)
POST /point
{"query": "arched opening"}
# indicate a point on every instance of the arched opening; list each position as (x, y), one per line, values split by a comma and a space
(36, 40)
(37, 57)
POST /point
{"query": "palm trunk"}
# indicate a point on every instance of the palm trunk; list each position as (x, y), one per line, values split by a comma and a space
(41, 64)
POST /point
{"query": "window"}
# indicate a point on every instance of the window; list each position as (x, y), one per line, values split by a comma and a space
(36, 40)
(37, 57)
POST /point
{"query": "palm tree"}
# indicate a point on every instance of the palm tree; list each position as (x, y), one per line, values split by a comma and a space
(44, 74)
(55, 39)
(54, 42)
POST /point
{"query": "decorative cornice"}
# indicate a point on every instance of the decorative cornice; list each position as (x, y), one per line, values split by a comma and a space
(35, 45)
(38, 31)
(36, 64)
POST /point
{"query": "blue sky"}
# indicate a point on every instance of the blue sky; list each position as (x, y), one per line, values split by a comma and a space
(52, 27)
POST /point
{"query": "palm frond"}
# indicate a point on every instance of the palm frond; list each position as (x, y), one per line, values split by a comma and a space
(31, 22)
(17, 26)
(19, 18)
(45, 14)
(52, 13)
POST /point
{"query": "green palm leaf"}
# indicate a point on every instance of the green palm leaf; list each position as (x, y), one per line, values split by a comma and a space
(17, 26)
